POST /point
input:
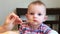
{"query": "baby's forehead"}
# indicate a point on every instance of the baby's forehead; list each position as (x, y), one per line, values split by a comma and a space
(36, 9)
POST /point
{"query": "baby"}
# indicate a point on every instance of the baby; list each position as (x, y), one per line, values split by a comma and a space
(35, 15)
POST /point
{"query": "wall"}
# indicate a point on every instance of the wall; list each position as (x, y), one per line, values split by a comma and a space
(8, 6)
(52, 3)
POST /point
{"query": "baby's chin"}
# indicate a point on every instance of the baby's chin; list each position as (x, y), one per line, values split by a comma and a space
(34, 23)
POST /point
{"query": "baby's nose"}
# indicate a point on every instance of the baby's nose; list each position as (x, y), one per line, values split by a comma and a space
(35, 16)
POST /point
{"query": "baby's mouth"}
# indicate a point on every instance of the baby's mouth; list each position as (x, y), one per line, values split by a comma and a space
(35, 20)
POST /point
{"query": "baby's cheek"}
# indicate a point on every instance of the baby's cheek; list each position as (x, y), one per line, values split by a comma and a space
(40, 21)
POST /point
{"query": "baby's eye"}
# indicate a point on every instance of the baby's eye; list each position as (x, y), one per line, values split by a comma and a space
(39, 14)
(32, 13)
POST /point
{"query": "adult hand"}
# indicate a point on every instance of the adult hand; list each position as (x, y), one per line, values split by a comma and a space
(11, 20)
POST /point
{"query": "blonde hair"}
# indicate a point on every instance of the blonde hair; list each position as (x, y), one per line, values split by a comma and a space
(37, 3)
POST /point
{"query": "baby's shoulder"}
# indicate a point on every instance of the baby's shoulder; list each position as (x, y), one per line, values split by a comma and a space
(45, 26)
(48, 30)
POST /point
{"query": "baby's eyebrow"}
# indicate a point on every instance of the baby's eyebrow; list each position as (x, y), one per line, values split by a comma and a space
(31, 11)
(39, 13)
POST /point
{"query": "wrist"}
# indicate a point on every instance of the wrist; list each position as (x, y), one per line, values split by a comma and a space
(8, 26)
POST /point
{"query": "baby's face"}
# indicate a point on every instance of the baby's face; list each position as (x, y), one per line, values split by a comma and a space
(36, 14)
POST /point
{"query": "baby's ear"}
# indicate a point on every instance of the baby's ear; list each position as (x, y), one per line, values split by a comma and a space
(45, 18)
